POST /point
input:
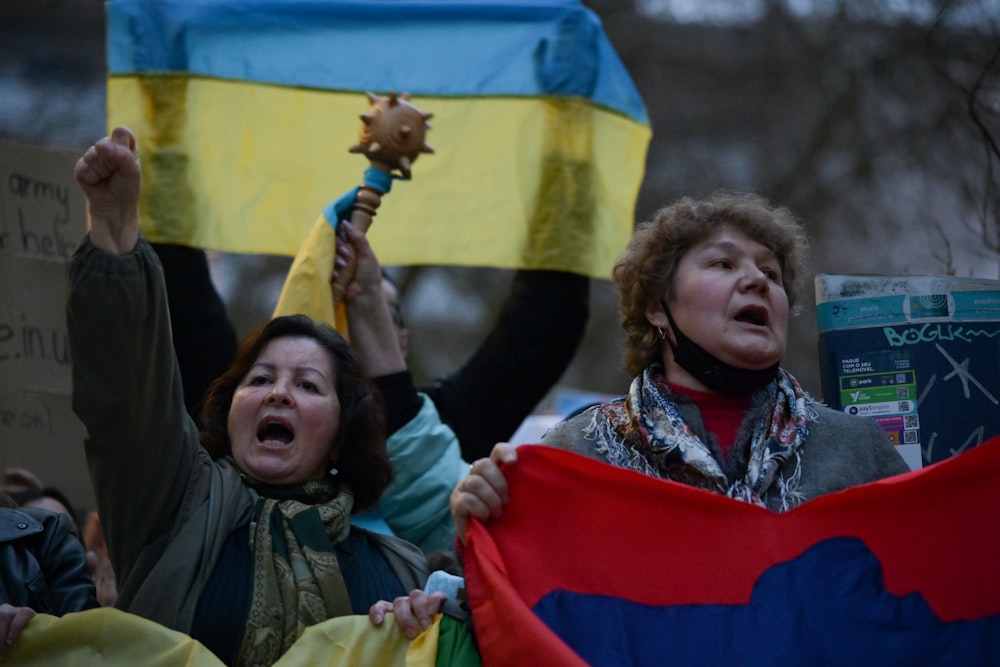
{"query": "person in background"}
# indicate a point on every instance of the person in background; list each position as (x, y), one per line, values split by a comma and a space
(536, 334)
(239, 537)
(43, 568)
(204, 338)
(27, 490)
(705, 291)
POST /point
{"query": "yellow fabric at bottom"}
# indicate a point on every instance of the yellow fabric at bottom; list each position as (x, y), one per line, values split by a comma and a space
(352, 641)
(113, 638)
(107, 637)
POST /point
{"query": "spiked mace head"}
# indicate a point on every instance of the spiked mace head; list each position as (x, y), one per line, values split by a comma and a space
(392, 133)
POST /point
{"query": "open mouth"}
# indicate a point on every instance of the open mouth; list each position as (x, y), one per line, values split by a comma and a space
(756, 315)
(275, 432)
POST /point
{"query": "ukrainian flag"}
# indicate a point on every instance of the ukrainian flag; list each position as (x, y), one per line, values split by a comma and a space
(244, 111)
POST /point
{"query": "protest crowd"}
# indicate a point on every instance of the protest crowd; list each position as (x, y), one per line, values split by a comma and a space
(292, 441)
(296, 497)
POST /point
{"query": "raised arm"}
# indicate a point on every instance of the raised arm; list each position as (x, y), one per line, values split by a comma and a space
(369, 320)
(425, 455)
(142, 447)
(204, 338)
(537, 332)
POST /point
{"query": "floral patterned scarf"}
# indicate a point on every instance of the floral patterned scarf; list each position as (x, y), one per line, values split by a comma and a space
(644, 431)
(296, 577)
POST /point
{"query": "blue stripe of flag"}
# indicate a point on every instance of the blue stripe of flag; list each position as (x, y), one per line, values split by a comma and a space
(441, 48)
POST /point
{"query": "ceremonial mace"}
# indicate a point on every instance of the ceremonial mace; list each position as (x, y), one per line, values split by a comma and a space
(392, 136)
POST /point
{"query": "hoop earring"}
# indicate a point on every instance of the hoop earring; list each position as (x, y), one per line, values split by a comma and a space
(663, 336)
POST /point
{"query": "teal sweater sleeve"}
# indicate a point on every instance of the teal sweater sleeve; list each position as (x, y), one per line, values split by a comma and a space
(427, 463)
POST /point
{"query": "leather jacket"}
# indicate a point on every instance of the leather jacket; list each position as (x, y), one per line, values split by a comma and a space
(42, 564)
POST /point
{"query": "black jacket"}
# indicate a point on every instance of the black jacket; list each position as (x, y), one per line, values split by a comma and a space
(42, 564)
(538, 330)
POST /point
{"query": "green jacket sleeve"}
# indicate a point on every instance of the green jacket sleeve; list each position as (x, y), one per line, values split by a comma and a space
(427, 462)
(142, 447)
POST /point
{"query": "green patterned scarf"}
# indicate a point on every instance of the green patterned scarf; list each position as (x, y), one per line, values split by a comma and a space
(296, 578)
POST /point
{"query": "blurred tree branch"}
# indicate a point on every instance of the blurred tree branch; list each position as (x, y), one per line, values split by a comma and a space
(975, 75)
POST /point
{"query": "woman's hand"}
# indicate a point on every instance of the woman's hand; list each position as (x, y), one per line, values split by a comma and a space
(12, 622)
(369, 320)
(483, 492)
(414, 612)
(353, 245)
(111, 178)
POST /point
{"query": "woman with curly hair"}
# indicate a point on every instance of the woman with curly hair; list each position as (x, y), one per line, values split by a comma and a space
(705, 290)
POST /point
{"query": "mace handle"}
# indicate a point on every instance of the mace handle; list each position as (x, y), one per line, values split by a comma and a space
(392, 136)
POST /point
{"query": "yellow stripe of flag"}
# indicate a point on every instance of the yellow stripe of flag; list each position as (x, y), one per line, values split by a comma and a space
(516, 182)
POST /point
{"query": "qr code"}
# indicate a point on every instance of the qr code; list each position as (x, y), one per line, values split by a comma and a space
(902, 392)
(904, 406)
(901, 378)
(911, 421)
(910, 437)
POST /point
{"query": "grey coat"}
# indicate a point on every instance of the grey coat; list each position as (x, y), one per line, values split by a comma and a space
(840, 451)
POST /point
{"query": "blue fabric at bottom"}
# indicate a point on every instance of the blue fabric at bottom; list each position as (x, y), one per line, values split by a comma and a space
(826, 607)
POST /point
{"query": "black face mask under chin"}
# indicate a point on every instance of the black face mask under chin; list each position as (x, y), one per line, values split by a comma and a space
(715, 374)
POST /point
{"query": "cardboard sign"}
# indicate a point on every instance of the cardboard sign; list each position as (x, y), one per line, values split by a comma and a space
(919, 354)
(42, 219)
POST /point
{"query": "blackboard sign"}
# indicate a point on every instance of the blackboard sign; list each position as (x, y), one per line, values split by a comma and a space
(919, 354)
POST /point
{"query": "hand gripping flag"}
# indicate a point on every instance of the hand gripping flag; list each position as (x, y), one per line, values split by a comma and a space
(592, 564)
(307, 288)
(241, 108)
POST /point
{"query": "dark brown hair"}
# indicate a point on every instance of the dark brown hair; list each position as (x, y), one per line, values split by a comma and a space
(362, 460)
(646, 270)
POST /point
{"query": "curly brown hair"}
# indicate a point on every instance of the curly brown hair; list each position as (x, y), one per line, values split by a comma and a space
(362, 458)
(646, 270)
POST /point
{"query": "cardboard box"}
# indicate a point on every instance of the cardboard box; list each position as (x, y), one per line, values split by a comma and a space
(42, 220)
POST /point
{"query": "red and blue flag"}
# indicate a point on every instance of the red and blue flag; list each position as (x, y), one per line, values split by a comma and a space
(591, 564)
